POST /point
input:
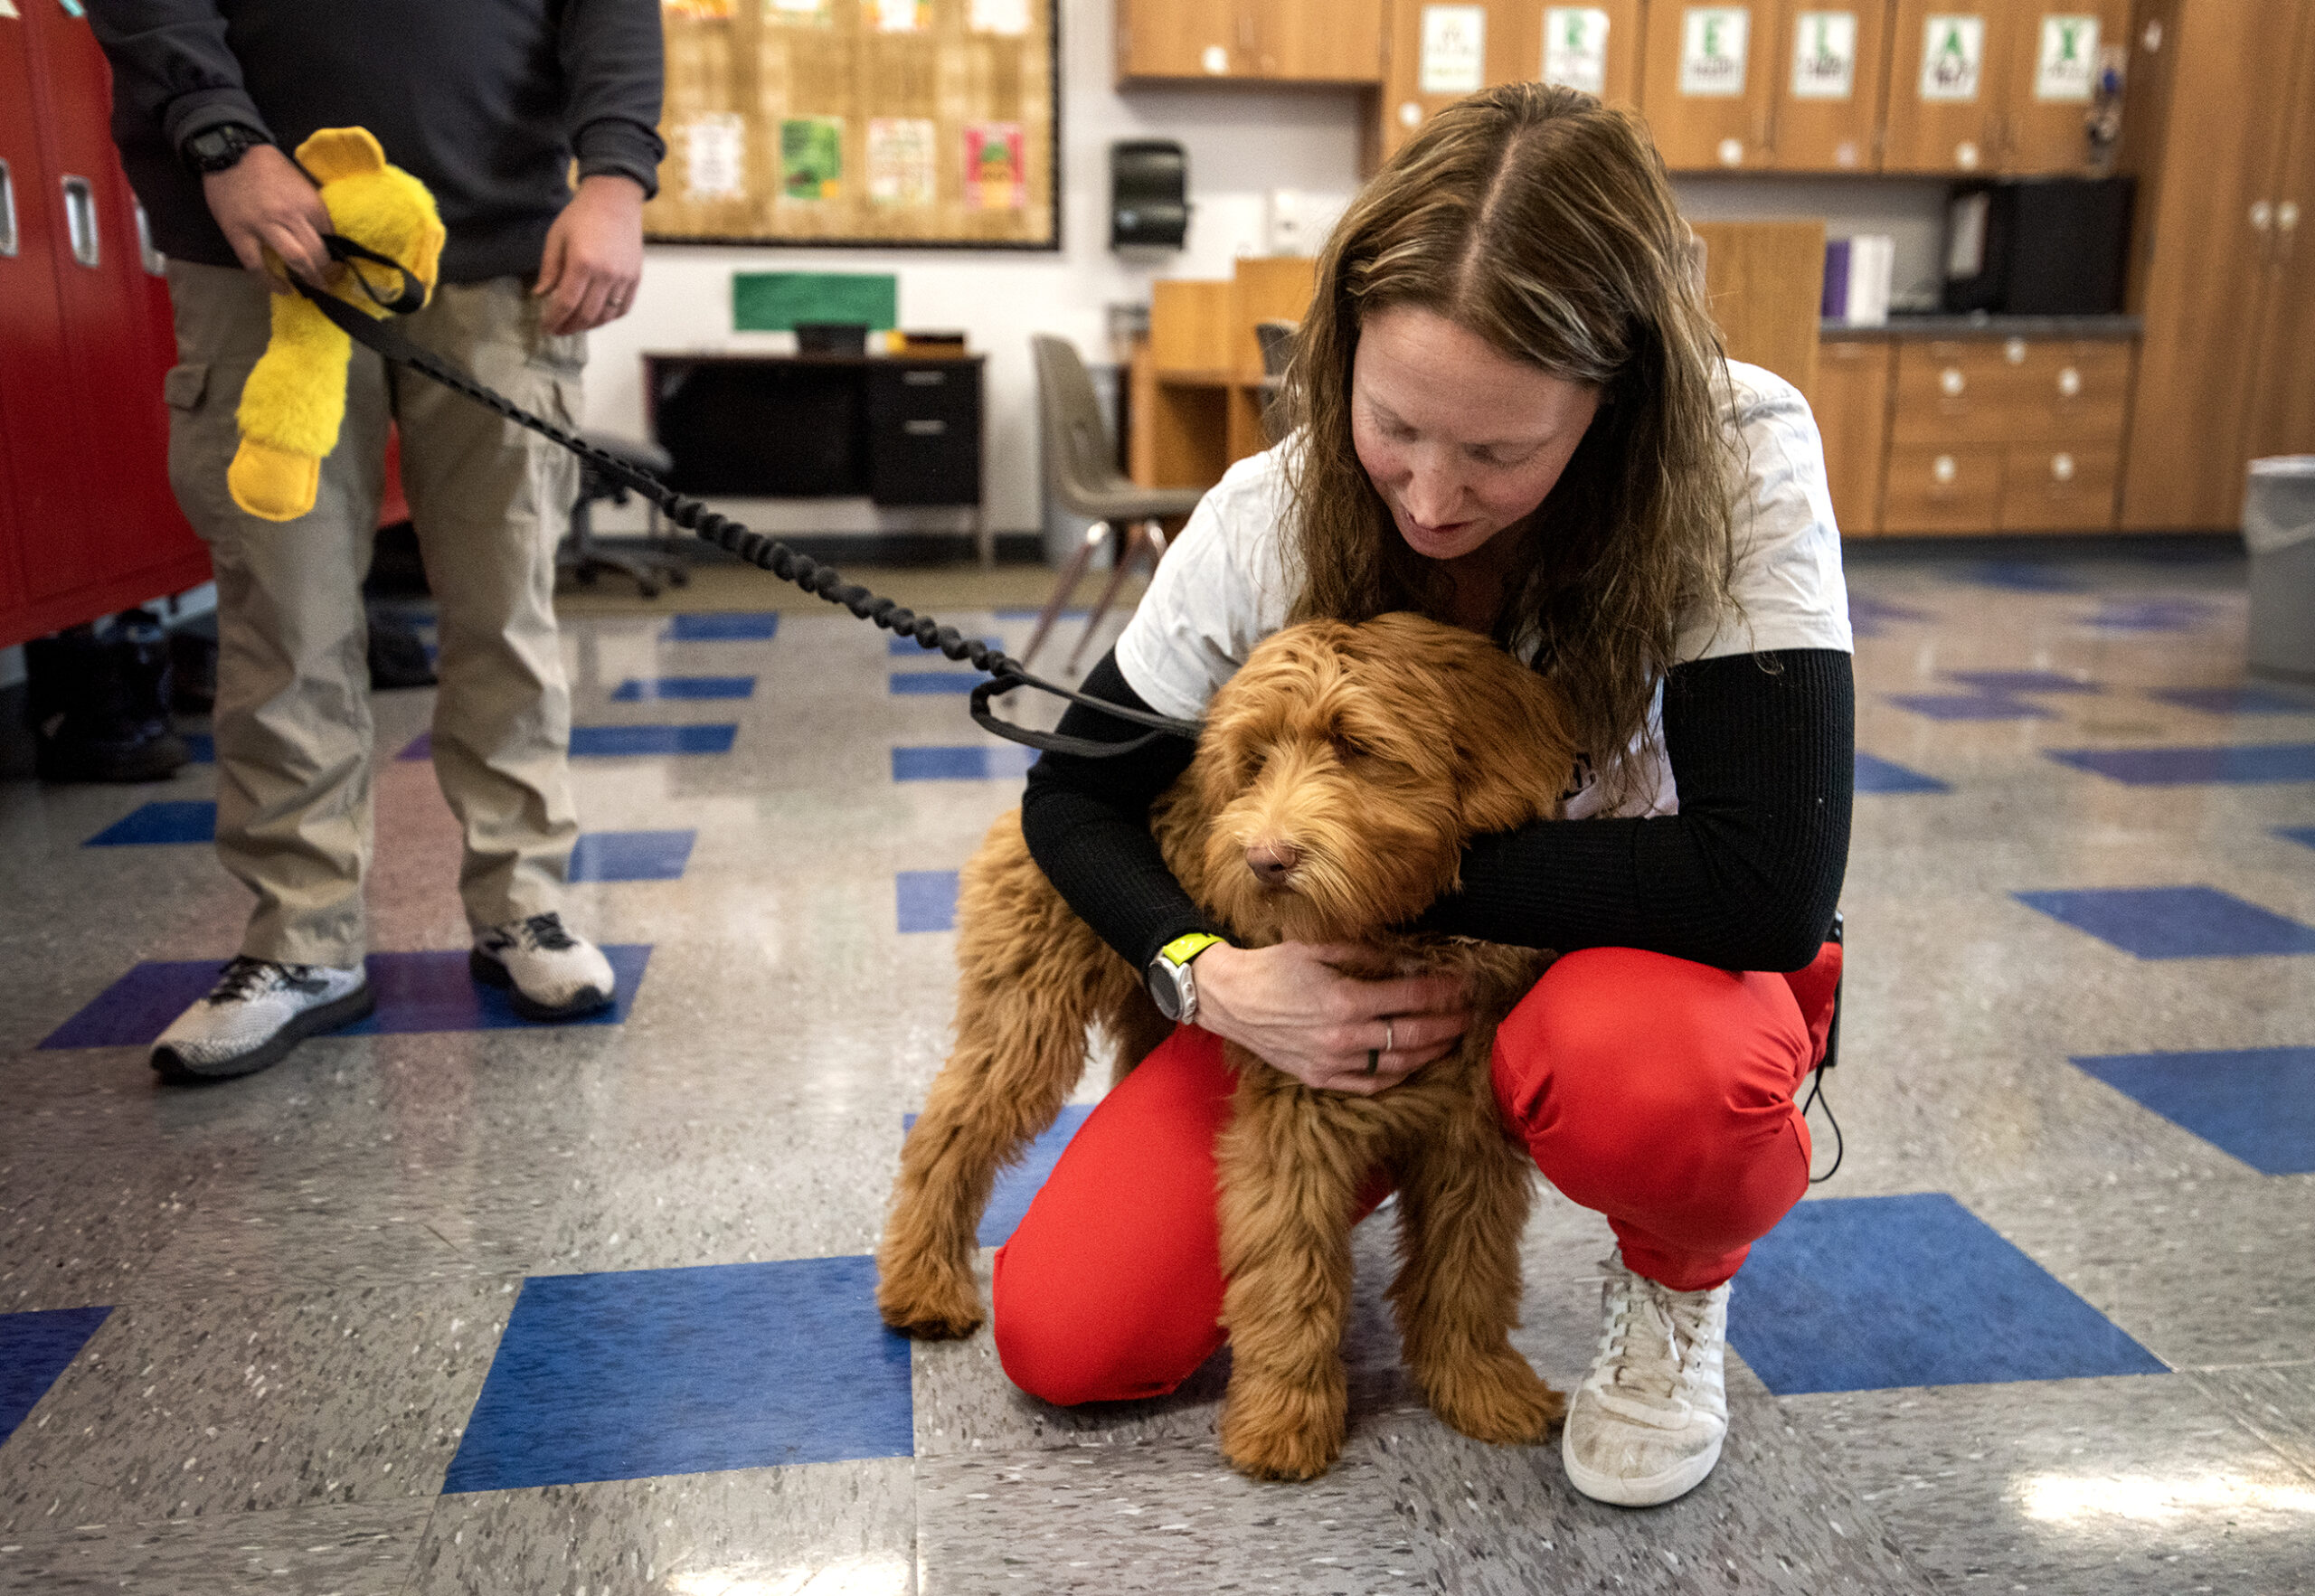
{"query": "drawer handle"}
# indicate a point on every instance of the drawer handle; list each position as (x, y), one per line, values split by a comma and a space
(924, 379)
(2061, 468)
(924, 428)
(1965, 155)
(2263, 215)
(1731, 152)
(1944, 468)
(2069, 382)
(1952, 381)
(2014, 352)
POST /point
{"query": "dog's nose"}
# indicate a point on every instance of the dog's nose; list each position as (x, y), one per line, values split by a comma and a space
(1273, 862)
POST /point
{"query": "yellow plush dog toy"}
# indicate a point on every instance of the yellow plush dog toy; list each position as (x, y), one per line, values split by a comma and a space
(295, 398)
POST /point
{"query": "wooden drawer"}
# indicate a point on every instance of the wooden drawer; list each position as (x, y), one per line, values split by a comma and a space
(1990, 391)
(2049, 490)
(1934, 489)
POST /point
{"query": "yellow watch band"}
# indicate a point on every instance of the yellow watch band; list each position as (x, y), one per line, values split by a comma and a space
(1187, 947)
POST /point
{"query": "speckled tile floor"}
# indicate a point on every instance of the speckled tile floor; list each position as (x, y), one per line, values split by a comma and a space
(581, 1311)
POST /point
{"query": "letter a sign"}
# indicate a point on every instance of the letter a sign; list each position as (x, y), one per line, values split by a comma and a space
(1953, 51)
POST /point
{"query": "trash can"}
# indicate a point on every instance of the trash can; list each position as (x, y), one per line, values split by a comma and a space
(2278, 530)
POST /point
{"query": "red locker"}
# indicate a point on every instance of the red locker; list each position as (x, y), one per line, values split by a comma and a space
(90, 525)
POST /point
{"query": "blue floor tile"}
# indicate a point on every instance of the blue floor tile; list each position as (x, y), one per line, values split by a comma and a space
(416, 992)
(723, 627)
(1879, 775)
(1869, 616)
(2233, 701)
(631, 856)
(910, 649)
(935, 683)
(2194, 767)
(2021, 576)
(647, 1372)
(979, 763)
(1018, 1186)
(1870, 1293)
(1970, 706)
(2297, 834)
(2175, 923)
(611, 743)
(928, 899)
(201, 746)
(173, 820)
(2021, 682)
(683, 689)
(2256, 1103)
(2150, 615)
(34, 1349)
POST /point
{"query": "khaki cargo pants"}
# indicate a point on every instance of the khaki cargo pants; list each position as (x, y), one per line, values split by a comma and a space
(293, 730)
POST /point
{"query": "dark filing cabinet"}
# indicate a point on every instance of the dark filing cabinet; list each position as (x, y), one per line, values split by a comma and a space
(897, 430)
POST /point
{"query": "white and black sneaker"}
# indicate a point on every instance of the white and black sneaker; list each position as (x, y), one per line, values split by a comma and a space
(257, 1012)
(547, 973)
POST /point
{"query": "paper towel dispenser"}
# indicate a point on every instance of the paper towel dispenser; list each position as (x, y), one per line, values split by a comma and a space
(1149, 195)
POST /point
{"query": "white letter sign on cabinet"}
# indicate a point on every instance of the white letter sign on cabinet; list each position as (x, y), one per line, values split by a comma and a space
(1824, 55)
(2066, 67)
(1454, 50)
(1713, 41)
(1576, 47)
(1952, 57)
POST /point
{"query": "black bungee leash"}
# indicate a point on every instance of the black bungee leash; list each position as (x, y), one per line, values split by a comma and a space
(1004, 673)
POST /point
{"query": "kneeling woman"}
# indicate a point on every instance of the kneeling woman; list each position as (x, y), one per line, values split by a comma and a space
(1512, 415)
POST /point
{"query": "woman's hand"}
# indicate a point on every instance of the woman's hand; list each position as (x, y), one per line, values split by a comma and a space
(1290, 1005)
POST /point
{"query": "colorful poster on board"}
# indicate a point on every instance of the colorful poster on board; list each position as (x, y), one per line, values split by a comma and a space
(1952, 55)
(996, 176)
(904, 167)
(901, 16)
(800, 14)
(1454, 50)
(1713, 40)
(701, 11)
(1007, 18)
(811, 157)
(1824, 55)
(716, 156)
(1576, 47)
(2067, 68)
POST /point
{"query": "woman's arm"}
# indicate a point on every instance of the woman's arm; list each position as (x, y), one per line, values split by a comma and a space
(1746, 876)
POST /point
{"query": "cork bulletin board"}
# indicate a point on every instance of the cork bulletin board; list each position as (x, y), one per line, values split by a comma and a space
(865, 122)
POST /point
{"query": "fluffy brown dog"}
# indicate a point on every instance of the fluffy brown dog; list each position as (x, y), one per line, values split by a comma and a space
(1367, 755)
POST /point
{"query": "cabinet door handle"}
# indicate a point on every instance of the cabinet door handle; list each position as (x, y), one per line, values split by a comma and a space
(924, 428)
(1944, 468)
(2014, 352)
(2262, 216)
(2061, 468)
(924, 379)
(7, 213)
(2069, 382)
(80, 220)
(2286, 227)
(1950, 381)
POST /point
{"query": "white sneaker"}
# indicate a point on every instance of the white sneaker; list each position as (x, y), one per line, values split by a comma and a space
(1646, 1423)
(548, 974)
(255, 1014)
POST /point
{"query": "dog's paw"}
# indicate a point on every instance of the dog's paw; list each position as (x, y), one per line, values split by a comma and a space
(927, 1305)
(1497, 1399)
(1294, 1435)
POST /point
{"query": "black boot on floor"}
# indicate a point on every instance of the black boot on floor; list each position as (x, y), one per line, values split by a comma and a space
(99, 702)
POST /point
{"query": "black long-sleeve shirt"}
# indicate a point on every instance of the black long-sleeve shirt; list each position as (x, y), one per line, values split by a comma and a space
(1746, 876)
(486, 101)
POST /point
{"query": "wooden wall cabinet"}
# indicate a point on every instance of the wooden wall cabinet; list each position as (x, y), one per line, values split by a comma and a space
(1831, 63)
(1262, 41)
(1801, 90)
(1973, 88)
(1594, 47)
(2222, 137)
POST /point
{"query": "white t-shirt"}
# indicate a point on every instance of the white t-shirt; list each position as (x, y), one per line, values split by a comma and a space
(1227, 582)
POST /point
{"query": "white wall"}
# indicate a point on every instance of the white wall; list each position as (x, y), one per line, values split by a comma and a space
(1240, 142)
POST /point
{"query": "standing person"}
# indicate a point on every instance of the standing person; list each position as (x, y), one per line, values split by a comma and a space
(1513, 415)
(488, 105)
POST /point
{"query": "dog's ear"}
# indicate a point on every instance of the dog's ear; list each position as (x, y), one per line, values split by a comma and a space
(341, 152)
(1513, 738)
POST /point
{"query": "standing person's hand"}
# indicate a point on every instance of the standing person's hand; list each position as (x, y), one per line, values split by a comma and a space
(263, 201)
(1292, 1008)
(594, 256)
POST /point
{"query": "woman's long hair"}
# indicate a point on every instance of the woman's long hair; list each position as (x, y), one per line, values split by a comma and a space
(1542, 221)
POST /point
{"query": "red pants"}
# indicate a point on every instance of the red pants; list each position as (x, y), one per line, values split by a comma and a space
(1657, 1092)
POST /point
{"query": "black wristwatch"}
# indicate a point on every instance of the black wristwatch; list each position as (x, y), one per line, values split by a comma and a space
(219, 148)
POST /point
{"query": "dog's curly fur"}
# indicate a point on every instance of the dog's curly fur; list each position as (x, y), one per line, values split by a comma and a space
(1374, 752)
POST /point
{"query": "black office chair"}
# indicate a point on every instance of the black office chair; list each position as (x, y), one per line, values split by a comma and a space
(586, 559)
